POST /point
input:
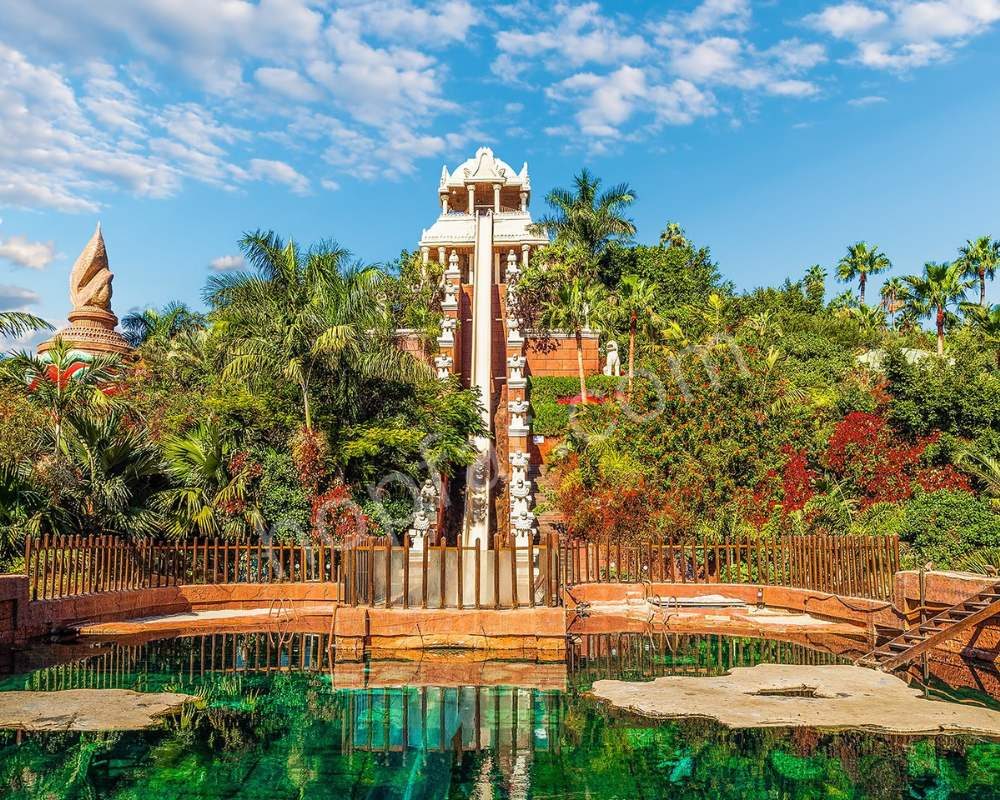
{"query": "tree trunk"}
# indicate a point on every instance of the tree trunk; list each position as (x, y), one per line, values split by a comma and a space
(982, 287)
(305, 405)
(940, 330)
(631, 353)
(862, 280)
(579, 365)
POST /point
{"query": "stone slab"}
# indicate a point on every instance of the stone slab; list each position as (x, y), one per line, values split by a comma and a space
(86, 709)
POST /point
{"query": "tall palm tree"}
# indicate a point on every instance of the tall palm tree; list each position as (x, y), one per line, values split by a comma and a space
(861, 261)
(815, 281)
(205, 496)
(17, 323)
(61, 382)
(570, 310)
(587, 217)
(941, 287)
(986, 320)
(299, 309)
(159, 325)
(636, 300)
(980, 259)
(892, 292)
(673, 236)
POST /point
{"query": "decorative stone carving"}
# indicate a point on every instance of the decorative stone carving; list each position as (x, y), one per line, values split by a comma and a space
(513, 270)
(453, 270)
(450, 295)
(425, 515)
(518, 415)
(480, 488)
(514, 335)
(447, 337)
(519, 461)
(613, 363)
(516, 366)
(523, 521)
(443, 363)
(92, 323)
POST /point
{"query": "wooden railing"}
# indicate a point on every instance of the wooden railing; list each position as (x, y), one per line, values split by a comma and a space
(68, 566)
(376, 572)
(859, 566)
(447, 576)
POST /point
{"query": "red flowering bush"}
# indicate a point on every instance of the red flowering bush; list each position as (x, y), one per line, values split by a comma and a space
(336, 517)
(310, 452)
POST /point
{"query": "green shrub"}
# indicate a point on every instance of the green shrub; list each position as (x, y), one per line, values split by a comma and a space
(946, 527)
(549, 416)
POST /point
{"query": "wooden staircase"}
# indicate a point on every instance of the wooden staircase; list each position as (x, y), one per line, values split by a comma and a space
(938, 629)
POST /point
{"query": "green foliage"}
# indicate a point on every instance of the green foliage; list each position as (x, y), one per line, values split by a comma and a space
(550, 417)
(283, 502)
(946, 527)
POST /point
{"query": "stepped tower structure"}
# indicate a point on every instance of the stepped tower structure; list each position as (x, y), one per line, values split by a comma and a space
(483, 239)
(91, 330)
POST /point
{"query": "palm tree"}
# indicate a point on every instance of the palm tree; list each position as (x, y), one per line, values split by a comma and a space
(61, 382)
(108, 473)
(815, 280)
(892, 293)
(635, 299)
(764, 325)
(588, 217)
(941, 287)
(985, 467)
(861, 261)
(17, 323)
(869, 318)
(980, 258)
(570, 310)
(296, 310)
(986, 320)
(205, 496)
(673, 236)
(159, 325)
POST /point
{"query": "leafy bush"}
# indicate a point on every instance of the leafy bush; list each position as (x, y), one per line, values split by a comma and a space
(549, 416)
(946, 527)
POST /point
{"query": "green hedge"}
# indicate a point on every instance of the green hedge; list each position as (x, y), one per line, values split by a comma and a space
(551, 418)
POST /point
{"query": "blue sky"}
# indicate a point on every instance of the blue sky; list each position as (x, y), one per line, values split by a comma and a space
(775, 132)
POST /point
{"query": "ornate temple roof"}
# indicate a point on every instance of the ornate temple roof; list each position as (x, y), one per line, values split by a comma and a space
(484, 167)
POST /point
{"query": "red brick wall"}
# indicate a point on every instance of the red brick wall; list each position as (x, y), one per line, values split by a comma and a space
(557, 356)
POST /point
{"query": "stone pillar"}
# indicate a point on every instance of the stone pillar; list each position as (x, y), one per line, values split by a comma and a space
(425, 254)
(524, 201)
(524, 256)
(496, 198)
(472, 198)
(441, 254)
(444, 202)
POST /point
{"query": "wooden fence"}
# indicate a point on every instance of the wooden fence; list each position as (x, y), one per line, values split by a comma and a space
(447, 576)
(859, 566)
(376, 572)
(67, 566)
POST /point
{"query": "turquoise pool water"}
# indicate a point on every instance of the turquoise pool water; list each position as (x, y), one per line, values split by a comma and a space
(277, 720)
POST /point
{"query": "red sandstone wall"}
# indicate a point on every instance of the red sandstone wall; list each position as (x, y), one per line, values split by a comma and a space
(557, 356)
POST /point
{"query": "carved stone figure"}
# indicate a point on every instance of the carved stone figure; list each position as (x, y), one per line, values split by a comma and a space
(92, 322)
(447, 336)
(513, 268)
(452, 271)
(514, 335)
(443, 363)
(518, 414)
(516, 364)
(613, 363)
(450, 295)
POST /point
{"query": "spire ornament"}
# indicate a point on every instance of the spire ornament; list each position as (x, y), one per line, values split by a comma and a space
(91, 328)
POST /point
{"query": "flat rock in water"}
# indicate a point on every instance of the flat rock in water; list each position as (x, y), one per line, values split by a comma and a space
(86, 709)
(779, 695)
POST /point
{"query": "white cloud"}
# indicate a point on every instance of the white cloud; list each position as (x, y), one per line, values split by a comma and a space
(226, 263)
(882, 55)
(867, 100)
(719, 14)
(847, 19)
(329, 185)
(581, 35)
(287, 82)
(33, 255)
(17, 298)
(279, 172)
(793, 88)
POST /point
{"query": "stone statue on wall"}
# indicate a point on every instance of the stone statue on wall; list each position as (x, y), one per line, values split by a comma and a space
(443, 363)
(447, 336)
(516, 364)
(612, 363)
(518, 413)
(450, 295)
(514, 335)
